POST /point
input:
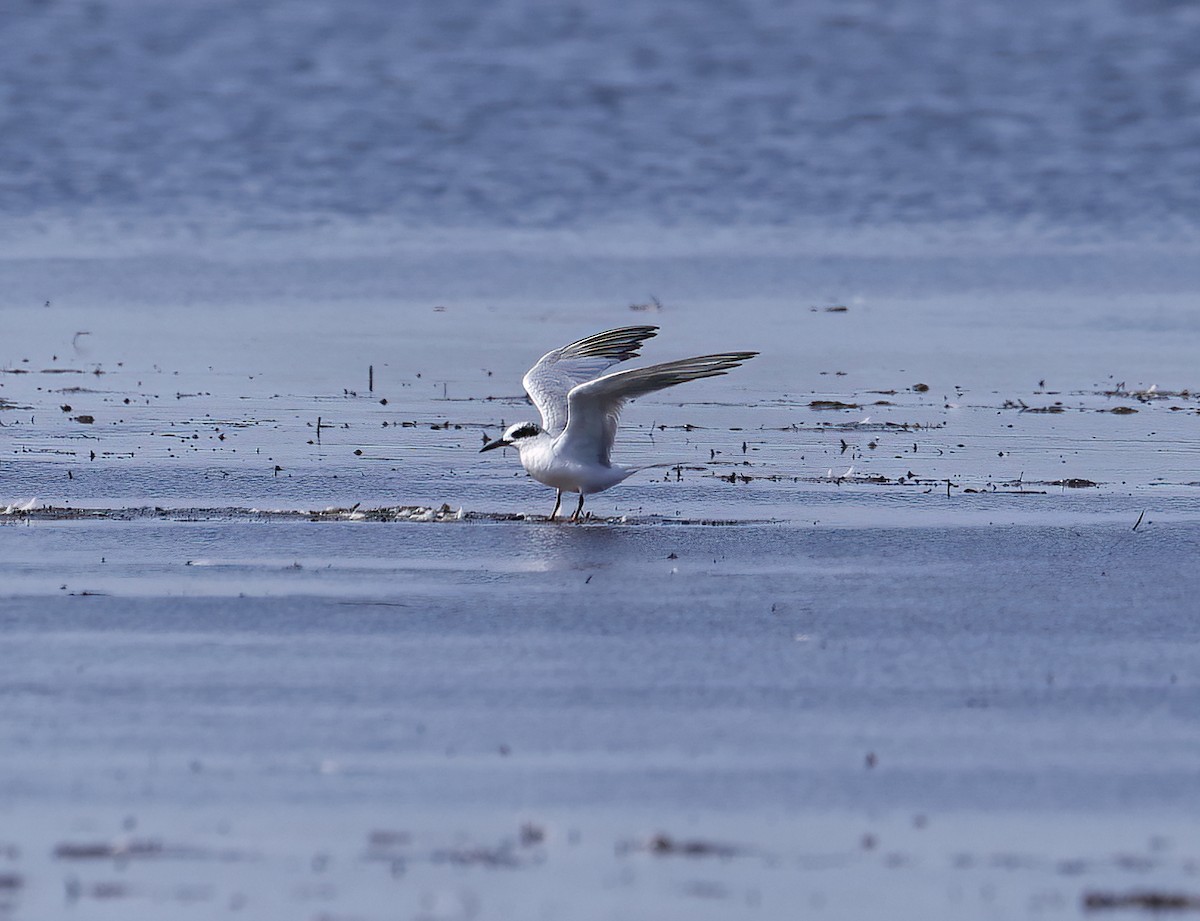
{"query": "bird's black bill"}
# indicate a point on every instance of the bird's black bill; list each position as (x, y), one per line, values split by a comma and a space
(492, 445)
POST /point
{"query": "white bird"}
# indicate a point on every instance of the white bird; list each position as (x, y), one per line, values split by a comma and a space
(581, 406)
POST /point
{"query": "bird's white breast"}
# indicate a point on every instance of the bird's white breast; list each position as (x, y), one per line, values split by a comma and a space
(546, 464)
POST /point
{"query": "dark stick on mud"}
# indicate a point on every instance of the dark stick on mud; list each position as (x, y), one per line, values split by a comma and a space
(318, 429)
(1139, 521)
(371, 378)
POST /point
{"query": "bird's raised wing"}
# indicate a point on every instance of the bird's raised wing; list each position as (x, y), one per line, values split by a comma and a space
(555, 373)
(594, 407)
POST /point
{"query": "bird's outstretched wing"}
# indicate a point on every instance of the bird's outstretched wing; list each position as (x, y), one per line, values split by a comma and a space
(594, 407)
(555, 373)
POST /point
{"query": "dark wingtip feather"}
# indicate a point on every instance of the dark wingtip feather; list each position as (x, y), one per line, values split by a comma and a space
(620, 344)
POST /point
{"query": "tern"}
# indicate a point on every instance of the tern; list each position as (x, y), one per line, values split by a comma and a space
(581, 406)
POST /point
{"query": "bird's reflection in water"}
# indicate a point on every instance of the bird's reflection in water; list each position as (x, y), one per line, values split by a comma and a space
(561, 545)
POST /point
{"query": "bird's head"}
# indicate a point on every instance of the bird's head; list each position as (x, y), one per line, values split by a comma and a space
(515, 435)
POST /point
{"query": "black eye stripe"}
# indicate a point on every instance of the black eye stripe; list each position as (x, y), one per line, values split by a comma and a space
(525, 431)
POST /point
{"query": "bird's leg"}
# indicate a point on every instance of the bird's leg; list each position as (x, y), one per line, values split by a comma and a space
(578, 508)
(557, 503)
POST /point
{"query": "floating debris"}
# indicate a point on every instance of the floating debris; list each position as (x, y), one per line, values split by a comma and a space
(832, 404)
(20, 509)
(105, 850)
(501, 857)
(663, 845)
(405, 513)
(1147, 900)
(654, 305)
(1148, 394)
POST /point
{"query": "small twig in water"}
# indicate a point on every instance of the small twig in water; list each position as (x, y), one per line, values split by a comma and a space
(1139, 521)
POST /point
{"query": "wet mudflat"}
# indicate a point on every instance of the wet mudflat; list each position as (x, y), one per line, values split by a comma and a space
(908, 626)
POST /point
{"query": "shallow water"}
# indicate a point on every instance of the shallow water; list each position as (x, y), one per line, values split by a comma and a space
(906, 629)
(358, 716)
(935, 643)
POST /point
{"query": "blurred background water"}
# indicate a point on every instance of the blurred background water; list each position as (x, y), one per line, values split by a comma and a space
(1082, 114)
